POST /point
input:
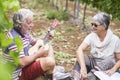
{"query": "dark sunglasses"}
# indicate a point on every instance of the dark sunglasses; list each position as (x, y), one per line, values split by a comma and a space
(95, 25)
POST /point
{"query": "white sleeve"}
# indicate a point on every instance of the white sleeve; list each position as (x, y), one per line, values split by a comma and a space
(87, 39)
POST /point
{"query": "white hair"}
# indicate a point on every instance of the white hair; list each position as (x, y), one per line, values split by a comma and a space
(21, 16)
(25, 13)
(103, 18)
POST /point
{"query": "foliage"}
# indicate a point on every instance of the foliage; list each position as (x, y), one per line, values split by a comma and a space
(52, 14)
(60, 15)
(64, 15)
(15, 54)
(47, 5)
(4, 75)
(4, 41)
(72, 0)
(40, 4)
(6, 6)
(69, 29)
(109, 6)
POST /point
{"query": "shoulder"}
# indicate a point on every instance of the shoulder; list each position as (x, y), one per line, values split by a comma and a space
(115, 37)
(89, 38)
(10, 33)
(91, 35)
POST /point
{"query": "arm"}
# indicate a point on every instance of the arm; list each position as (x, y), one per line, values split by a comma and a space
(33, 43)
(80, 58)
(26, 60)
(116, 66)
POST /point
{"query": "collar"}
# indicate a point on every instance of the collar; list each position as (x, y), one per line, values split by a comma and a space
(18, 31)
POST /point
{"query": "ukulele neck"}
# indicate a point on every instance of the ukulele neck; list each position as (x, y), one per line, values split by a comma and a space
(46, 38)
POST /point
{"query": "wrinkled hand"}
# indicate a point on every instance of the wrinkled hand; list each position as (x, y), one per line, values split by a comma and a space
(51, 34)
(43, 52)
(110, 71)
(83, 74)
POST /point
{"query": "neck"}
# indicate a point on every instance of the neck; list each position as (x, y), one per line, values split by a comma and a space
(19, 32)
(102, 35)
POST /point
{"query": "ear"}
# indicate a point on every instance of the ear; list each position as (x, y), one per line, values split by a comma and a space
(105, 27)
(19, 25)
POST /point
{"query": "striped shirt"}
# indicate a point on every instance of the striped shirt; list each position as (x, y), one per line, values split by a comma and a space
(26, 40)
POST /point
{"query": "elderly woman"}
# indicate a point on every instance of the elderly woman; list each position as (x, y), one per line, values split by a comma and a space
(104, 49)
(29, 67)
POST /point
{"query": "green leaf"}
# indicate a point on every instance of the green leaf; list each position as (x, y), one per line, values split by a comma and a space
(19, 43)
(11, 67)
(5, 6)
(14, 4)
(5, 41)
(4, 73)
(11, 4)
(14, 56)
(109, 6)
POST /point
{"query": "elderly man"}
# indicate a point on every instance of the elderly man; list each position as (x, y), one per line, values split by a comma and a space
(29, 68)
(104, 48)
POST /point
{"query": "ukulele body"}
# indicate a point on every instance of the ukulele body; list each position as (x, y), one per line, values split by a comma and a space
(36, 47)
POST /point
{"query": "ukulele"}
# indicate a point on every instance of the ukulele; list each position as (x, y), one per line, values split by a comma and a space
(43, 43)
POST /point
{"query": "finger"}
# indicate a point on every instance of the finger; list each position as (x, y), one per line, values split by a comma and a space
(51, 33)
(108, 72)
(81, 78)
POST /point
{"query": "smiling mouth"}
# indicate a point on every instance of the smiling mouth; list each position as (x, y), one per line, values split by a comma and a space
(94, 29)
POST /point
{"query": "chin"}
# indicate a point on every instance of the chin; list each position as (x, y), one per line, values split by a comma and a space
(25, 32)
(94, 30)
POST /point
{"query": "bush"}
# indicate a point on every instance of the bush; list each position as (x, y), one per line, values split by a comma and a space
(60, 15)
(52, 14)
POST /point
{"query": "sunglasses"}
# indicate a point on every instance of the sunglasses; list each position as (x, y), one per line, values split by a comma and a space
(95, 25)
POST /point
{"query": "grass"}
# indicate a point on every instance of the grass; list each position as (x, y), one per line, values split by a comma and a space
(64, 58)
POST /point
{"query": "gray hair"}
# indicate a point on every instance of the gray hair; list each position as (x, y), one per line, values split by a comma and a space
(21, 16)
(103, 18)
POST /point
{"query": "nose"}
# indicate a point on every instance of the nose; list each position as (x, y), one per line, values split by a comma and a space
(94, 27)
(31, 25)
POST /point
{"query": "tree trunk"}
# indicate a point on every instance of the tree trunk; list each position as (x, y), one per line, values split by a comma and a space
(78, 8)
(83, 21)
(66, 8)
(75, 9)
(53, 3)
(56, 5)
(48, 1)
